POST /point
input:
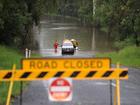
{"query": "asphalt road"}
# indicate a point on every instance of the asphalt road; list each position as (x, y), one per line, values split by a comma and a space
(85, 92)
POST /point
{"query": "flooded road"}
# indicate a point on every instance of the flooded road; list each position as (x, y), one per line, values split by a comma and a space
(89, 38)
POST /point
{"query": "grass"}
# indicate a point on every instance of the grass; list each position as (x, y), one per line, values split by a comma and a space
(129, 56)
(8, 57)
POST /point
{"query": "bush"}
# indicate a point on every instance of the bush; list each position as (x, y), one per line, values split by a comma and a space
(125, 43)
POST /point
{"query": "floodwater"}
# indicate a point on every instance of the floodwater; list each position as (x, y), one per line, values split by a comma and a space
(89, 38)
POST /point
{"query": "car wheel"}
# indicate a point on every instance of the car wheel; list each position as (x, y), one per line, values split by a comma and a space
(72, 53)
(62, 52)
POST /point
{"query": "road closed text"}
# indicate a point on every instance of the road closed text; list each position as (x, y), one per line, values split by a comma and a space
(63, 64)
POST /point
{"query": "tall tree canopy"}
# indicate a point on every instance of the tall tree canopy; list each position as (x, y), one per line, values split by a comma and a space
(121, 16)
(16, 20)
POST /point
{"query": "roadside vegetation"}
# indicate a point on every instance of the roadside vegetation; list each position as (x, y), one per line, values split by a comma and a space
(8, 57)
(80, 9)
(120, 20)
(17, 18)
(129, 56)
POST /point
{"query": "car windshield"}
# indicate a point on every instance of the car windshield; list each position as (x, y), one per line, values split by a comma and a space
(67, 44)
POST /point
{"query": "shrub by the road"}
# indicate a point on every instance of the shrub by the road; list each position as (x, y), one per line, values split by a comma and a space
(129, 56)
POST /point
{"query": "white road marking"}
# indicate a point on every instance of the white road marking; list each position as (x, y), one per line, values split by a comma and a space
(101, 83)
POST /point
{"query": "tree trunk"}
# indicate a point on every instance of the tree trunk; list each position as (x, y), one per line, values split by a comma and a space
(136, 39)
(135, 33)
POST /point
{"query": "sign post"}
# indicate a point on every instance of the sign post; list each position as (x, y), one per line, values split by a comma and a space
(118, 87)
(11, 86)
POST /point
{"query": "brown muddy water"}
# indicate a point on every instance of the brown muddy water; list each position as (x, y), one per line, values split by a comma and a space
(89, 38)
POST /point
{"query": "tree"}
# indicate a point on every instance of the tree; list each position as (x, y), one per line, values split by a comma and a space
(120, 18)
(17, 18)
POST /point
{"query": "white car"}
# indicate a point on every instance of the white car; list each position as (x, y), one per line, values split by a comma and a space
(67, 47)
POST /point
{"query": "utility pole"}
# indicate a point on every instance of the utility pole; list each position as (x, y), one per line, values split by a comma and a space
(94, 4)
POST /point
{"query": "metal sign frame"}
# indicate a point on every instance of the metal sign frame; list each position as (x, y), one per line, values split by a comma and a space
(37, 74)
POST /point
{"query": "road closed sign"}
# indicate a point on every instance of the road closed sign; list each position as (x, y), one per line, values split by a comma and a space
(66, 63)
(60, 89)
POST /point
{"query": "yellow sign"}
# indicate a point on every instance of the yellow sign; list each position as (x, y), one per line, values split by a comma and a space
(66, 63)
(29, 75)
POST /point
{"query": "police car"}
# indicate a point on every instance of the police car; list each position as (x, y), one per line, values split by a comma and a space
(67, 47)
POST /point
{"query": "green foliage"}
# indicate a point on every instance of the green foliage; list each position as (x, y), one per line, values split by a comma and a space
(129, 56)
(121, 17)
(85, 11)
(82, 9)
(8, 57)
(16, 20)
(125, 43)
